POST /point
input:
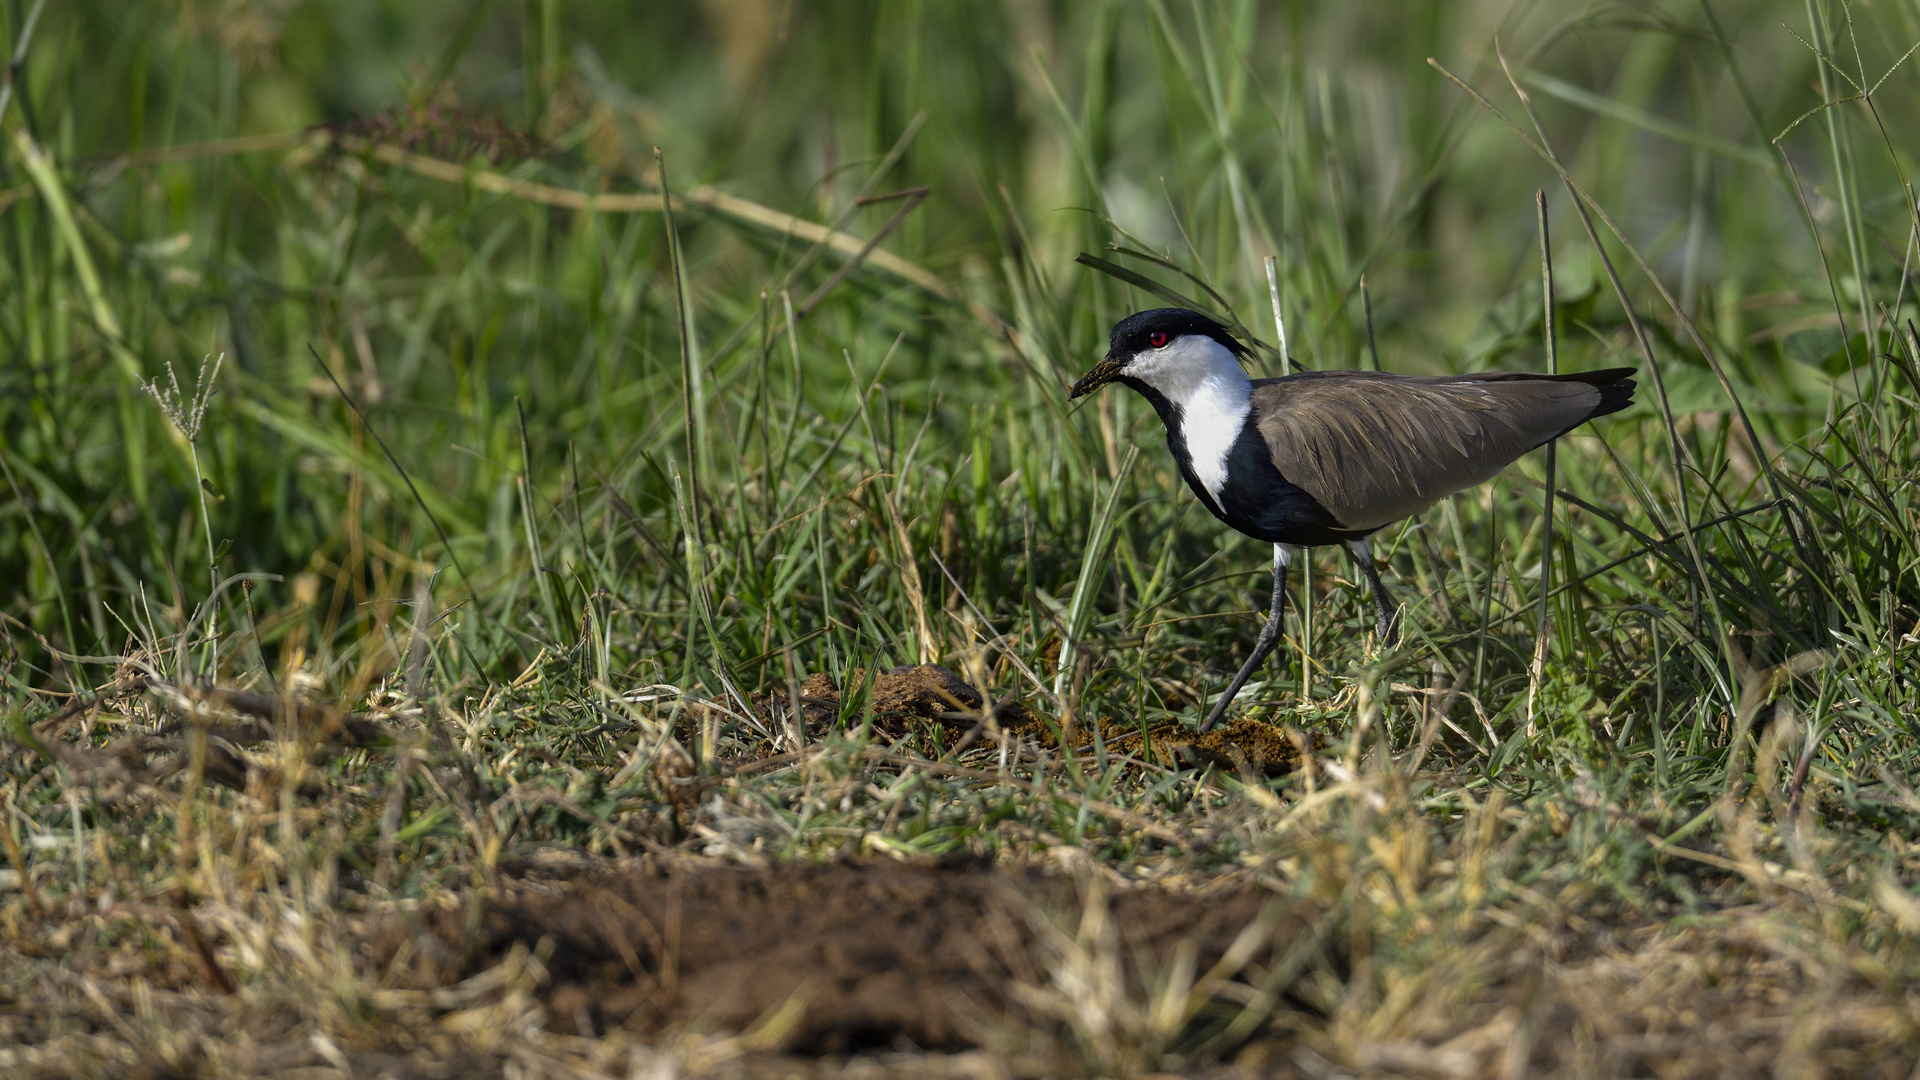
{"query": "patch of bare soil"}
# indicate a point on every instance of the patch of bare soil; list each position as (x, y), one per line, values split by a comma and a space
(843, 956)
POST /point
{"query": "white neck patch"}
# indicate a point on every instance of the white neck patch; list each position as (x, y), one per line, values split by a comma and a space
(1212, 395)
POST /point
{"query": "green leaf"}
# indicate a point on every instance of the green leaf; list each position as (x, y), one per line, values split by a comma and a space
(1826, 349)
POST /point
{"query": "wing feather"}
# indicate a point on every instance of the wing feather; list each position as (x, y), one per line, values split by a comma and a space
(1374, 448)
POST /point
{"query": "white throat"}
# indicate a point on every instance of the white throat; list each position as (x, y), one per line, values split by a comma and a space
(1210, 394)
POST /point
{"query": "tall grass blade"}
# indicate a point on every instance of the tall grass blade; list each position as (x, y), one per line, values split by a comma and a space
(1552, 342)
(1093, 567)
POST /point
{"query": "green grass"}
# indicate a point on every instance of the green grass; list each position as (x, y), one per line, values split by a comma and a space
(503, 467)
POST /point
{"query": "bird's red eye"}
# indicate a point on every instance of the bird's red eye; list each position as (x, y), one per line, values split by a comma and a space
(1158, 339)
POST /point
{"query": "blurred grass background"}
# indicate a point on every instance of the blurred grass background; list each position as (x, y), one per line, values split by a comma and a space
(493, 438)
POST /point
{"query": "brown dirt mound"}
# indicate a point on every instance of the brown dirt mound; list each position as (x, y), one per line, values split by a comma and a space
(878, 953)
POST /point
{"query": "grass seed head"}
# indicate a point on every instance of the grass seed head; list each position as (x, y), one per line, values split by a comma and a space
(186, 412)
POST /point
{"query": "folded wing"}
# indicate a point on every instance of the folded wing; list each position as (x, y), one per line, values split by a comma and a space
(1374, 448)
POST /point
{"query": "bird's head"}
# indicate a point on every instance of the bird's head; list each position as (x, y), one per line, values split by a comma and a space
(1162, 348)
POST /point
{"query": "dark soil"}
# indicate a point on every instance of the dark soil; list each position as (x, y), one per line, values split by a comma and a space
(882, 954)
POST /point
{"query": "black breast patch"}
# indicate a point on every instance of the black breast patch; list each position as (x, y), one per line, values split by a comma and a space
(1256, 499)
(1263, 504)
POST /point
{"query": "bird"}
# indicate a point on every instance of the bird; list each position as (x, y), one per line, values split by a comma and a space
(1331, 457)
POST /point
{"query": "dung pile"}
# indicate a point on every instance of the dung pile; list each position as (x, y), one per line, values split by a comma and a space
(935, 701)
(901, 698)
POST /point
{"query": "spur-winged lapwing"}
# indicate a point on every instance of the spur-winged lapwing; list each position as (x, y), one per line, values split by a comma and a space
(1325, 457)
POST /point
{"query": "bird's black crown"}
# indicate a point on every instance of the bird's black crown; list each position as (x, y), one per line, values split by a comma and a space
(1134, 333)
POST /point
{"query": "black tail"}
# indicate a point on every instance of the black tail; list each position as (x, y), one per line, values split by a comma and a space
(1615, 386)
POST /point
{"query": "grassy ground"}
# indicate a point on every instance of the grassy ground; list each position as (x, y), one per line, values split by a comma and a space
(351, 361)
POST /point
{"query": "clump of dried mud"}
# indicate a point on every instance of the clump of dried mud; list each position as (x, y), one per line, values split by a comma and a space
(871, 954)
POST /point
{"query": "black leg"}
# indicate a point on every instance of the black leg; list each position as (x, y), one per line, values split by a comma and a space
(1386, 617)
(1269, 637)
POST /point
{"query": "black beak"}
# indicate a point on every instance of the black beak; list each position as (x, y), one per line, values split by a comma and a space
(1103, 373)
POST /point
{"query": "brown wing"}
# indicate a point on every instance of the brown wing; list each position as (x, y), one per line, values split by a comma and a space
(1375, 448)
